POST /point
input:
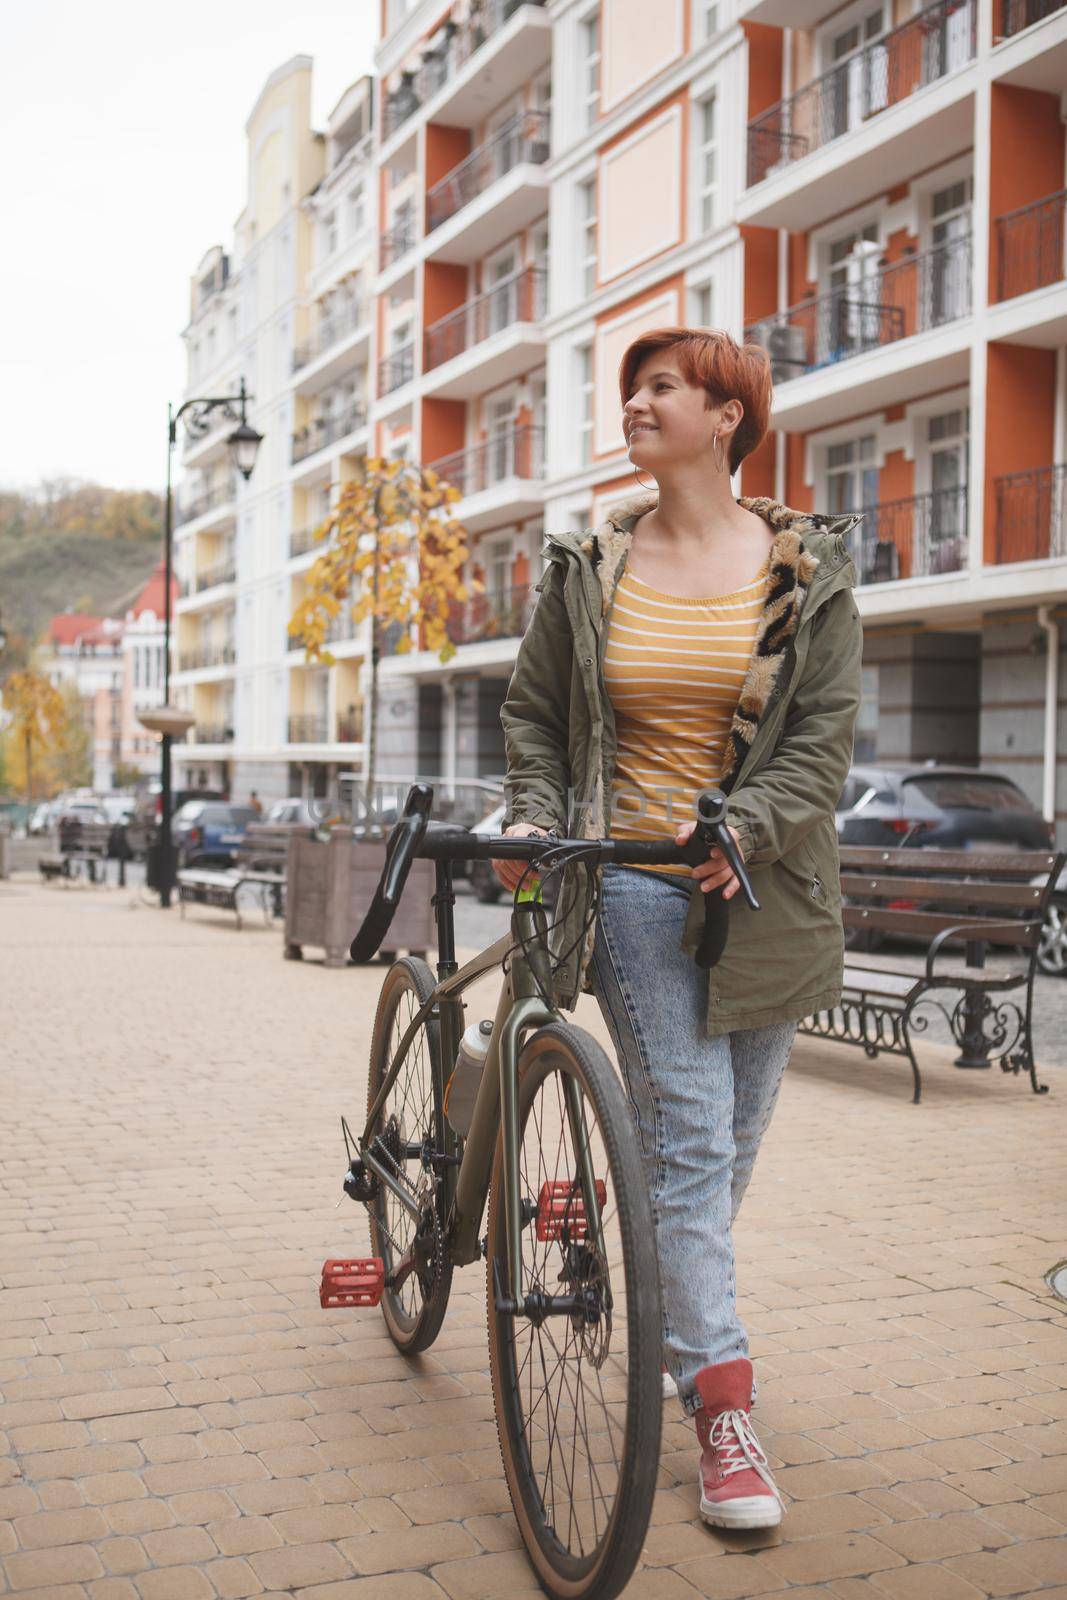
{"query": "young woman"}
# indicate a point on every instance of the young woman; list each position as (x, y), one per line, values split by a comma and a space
(695, 639)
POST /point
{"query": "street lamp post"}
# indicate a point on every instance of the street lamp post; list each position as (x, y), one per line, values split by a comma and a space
(243, 444)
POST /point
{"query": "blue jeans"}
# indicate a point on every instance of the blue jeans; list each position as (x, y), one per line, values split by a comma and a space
(701, 1106)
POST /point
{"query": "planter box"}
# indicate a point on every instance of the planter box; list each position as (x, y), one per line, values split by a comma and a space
(329, 886)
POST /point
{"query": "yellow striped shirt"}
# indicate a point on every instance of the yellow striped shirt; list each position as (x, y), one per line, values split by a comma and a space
(673, 669)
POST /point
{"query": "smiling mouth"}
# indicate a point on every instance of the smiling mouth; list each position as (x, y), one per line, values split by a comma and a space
(642, 429)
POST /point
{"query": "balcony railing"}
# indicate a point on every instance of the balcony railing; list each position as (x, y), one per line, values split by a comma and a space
(460, 42)
(935, 41)
(330, 331)
(211, 733)
(912, 295)
(397, 241)
(1032, 514)
(914, 538)
(1030, 245)
(396, 369)
(523, 297)
(207, 655)
(218, 495)
(350, 729)
(501, 615)
(523, 137)
(301, 540)
(327, 430)
(518, 453)
(211, 577)
(308, 728)
(1012, 16)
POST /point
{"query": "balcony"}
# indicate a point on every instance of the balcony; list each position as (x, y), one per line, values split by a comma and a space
(308, 728)
(1012, 16)
(458, 230)
(332, 330)
(397, 241)
(870, 98)
(916, 538)
(1030, 246)
(396, 369)
(350, 729)
(504, 615)
(503, 476)
(494, 331)
(211, 733)
(207, 655)
(219, 494)
(210, 578)
(512, 67)
(1031, 515)
(323, 431)
(301, 540)
(919, 293)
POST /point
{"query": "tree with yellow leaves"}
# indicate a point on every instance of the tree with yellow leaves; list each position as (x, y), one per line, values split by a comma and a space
(392, 553)
(38, 717)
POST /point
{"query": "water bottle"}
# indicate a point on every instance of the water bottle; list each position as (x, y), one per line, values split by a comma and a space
(462, 1088)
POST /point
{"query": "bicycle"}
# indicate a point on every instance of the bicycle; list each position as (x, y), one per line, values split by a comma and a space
(572, 1283)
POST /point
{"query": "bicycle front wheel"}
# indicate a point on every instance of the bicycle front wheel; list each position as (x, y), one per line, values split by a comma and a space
(577, 1393)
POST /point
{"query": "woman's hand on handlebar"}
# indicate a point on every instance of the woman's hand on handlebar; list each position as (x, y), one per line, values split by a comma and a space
(715, 873)
(509, 872)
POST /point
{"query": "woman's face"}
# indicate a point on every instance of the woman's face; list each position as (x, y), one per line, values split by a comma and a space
(664, 419)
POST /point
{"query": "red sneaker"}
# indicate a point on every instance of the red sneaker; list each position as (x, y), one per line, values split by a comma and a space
(736, 1487)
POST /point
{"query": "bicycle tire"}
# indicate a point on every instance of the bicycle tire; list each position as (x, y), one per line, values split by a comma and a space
(417, 1095)
(605, 1570)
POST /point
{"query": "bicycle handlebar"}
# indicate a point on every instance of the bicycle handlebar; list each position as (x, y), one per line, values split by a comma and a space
(414, 836)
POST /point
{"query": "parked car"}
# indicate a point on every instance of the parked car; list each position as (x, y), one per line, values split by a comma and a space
(207, 832)
(73, 815)
(1052, 951)
(929, 806)
(43, 818)
(938, 808)
(486, 887)
(148, 808)
(298, 813)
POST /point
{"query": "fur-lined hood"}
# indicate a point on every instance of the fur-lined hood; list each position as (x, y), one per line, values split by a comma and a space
(807, 549)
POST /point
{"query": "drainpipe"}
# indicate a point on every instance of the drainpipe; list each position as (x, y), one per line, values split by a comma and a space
(1052, 663)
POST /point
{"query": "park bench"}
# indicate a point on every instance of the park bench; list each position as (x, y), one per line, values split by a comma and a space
(259, 862)
(84, 844)
(942, 898)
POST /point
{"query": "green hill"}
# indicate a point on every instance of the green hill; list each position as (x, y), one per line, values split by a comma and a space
(76, 547)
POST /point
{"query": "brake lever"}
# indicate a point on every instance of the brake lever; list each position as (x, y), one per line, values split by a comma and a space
(711, 830)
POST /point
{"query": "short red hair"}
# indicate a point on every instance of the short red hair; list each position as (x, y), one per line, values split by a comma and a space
(724, 369)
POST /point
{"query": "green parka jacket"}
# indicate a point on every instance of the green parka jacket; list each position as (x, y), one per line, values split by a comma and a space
(783, 767)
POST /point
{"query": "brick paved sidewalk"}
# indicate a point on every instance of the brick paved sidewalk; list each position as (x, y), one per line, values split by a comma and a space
(181, 1420)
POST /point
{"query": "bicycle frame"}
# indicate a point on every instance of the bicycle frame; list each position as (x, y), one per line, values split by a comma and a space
(465, 1179)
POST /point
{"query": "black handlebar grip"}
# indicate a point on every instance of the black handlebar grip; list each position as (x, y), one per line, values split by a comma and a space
(711, 830)
(400, 851)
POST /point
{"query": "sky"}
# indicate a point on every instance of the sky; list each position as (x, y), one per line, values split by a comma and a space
(122, 132)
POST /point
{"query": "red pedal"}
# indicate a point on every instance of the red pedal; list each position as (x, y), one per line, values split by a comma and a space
(560, 1204)
(352, 1283)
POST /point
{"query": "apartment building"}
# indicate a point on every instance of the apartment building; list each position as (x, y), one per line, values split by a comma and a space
(286, 308)
(84, 652)
(902, 207)
(874, 191)
(142, 671)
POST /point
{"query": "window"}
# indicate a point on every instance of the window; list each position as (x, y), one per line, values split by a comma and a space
(356, 209)
(708, 163)
(329, 232)
(851, 475)
(585, 387)
(590, 90)
(588, 236)
(707, 20)
(701, 305)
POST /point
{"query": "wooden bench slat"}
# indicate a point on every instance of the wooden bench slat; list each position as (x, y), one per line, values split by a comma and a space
(921, 862)
(975, 892)
(928, 923)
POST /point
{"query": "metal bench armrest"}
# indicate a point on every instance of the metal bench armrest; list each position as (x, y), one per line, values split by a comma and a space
(973, 931)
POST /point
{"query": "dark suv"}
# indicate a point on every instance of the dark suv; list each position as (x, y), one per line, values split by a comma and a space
(936, 807)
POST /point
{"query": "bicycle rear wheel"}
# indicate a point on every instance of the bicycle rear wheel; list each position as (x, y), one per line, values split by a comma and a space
(578, 1399)
(409, 1128)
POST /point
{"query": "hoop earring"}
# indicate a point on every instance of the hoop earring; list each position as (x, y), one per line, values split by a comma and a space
(718, 450)
(637, 475)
